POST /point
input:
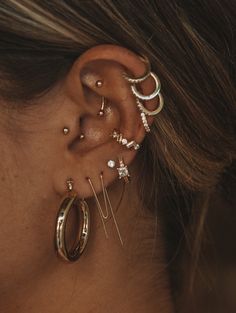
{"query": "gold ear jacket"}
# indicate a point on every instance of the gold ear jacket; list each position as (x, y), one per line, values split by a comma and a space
(72, 201)
(108, 205)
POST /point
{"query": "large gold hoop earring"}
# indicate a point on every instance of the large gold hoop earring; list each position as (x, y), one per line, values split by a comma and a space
(72, 201)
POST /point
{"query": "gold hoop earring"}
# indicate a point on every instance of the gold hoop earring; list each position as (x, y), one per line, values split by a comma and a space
(72, 201)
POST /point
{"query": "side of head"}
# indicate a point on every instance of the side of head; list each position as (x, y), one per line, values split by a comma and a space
(53, 54)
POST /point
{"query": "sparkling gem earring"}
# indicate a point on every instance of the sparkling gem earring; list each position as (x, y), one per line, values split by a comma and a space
(123, 171)
(140, 97)
(111, 163)
(72, 201)
(123, 141)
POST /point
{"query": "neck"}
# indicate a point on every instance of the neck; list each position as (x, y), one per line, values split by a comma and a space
(108, 277)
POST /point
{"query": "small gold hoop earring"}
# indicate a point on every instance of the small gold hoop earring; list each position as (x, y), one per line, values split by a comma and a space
(69, 202)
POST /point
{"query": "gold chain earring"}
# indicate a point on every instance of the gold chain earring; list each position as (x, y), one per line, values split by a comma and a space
(72, 201)
(108, 205)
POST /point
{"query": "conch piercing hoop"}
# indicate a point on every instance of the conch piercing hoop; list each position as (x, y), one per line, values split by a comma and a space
(107, 203)
(69, 202)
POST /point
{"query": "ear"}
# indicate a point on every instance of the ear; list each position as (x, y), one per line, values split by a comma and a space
(88, 157)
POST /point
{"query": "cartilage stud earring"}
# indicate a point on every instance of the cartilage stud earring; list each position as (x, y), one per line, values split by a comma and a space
(111, 163)
(123, 171)
(123, 141)
(99, 83)
(66, 130)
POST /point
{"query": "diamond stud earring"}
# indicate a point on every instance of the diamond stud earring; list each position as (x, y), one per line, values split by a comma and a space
(111, 163)
(123, 171)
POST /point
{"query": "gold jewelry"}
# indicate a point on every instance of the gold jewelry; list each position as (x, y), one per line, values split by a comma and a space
(107, 203)
(99, 83)
(123, 171)
(82, 136)
(66, 130)
(72, 201)
(111, 163)
(101, 111)
(123, 141)
(139, 96)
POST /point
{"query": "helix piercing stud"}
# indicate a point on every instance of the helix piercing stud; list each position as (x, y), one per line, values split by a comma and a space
(82, 136)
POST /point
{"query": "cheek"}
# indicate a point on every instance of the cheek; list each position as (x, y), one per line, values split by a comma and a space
(28, 212)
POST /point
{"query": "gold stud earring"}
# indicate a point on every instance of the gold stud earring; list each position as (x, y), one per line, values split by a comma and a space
(66, 130)
(99, 83)
(82, 136)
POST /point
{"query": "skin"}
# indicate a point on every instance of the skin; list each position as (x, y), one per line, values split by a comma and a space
(36, 161)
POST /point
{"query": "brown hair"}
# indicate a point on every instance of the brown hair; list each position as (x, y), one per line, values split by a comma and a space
(188, 158)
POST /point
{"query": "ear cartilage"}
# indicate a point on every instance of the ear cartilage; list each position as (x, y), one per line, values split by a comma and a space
(125, 142)
(141, 97)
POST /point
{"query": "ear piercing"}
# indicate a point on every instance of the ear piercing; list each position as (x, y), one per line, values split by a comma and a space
(123, 171)
(99, 83)
(101, 111)
(139, 96)
(145, 123)
(123, 141)
(66, 130)
(108, 205)
(111, 163)
(69, 202)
